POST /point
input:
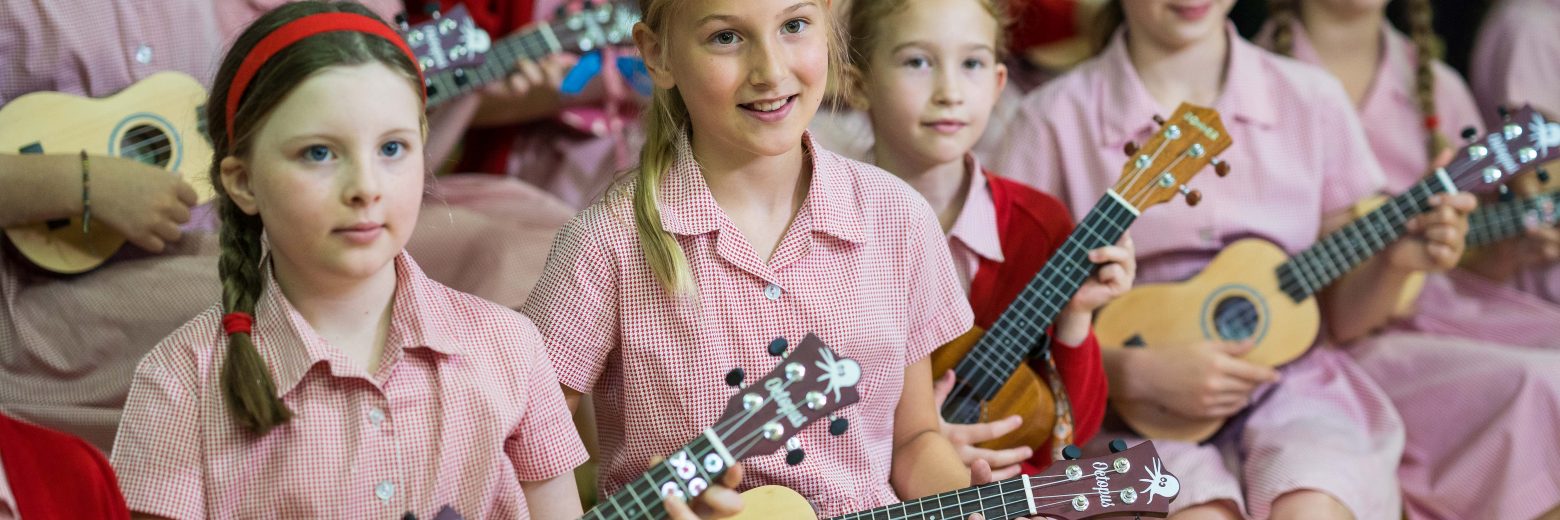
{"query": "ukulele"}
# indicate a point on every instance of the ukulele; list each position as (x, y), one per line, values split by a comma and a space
(458, 57)
(1253, 292)
(992, 379)
(1130, 481)
(157, 121)
(1509, 218)
(810, 383)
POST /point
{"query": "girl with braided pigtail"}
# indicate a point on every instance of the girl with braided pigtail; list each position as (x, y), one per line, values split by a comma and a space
(335, 379)
(1475, 336)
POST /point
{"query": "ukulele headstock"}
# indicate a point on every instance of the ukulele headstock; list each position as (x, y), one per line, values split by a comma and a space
(1129, 481)
(1524, 141)
(1159, 169)
(450, 40)
(810, 383)
(596, 24)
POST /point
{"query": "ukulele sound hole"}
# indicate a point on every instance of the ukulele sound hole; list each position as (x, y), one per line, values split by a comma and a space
(148, 144)
(1235, 318)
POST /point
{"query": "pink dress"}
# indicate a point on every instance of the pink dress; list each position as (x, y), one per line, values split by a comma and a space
(1456, 356)
(480, 234)
(1514, 63)
(864, 265)
(462, 409)
(68, 344)
(1299, 154)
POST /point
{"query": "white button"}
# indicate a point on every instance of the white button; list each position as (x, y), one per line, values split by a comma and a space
(384, 490)
(143, 54)
(772, 292)
(376, 416)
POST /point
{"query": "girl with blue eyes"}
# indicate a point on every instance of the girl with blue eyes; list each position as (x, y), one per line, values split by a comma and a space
(334, 379)
(737, 229)
(928, 74)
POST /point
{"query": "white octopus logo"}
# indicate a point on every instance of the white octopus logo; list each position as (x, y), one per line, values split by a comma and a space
(1546, 133)
(1160, 484)
(839, 373)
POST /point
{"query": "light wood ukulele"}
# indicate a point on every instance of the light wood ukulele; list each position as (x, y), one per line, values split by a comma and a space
(1068, 489)
(1253, 291)
(992, 379)
(160, 120)
(157, 121)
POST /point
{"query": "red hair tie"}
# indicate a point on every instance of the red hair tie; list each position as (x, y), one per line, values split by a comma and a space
(299, 29)
(1432, 122)
(237, 323)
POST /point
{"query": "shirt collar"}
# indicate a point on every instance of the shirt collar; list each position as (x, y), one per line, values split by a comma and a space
(1244, 96)
(418, 319)
(1394, 73)
(688, 208)
(976, 225)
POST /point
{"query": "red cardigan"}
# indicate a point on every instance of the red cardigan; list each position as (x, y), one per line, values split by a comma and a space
(1031, 226)
(54, 475)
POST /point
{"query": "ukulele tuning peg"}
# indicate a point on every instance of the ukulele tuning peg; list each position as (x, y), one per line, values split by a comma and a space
(1118, 446)
(1159, 120)
(1505, 113)
(431, 9)
(1192, 196)
(400, 21)
(1071, 452)
(1543, 175)
(1221, 168)
(1131, 148)
(838, 425)
(1506, 195)
(777, 347)
(1469, 133)
(734, 377)
(794, 457)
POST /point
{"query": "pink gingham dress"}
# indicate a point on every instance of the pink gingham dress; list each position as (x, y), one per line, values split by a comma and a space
(463, 408)
(1299, 153)
(864, 265)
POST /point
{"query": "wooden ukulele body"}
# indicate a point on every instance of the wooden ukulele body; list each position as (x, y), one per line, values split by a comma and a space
(156, 121)
(1241, 280)
(1024, 394)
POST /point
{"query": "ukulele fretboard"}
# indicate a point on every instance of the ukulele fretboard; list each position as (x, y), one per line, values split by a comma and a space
(1022, 329)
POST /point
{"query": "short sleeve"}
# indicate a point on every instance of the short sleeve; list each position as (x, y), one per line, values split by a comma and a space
(575, 304)
(938, 310)
(157, 453)
(545, 443)
(1350, 171)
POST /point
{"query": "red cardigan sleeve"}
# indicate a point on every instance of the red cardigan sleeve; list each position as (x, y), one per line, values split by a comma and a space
(54, 475)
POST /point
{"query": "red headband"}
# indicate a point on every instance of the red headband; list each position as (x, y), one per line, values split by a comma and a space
(302, 28)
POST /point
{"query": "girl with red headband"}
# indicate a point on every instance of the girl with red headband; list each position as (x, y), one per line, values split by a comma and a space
(335, 379)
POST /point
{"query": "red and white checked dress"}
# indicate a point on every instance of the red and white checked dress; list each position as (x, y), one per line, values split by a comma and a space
(463, 408)
(864, 265)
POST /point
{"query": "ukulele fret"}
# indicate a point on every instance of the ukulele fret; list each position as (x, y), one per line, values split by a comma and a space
(1019, 333)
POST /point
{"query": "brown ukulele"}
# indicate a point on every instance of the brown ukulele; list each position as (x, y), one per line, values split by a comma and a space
(1253, 291)
(992, 379)
(1128, 482)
